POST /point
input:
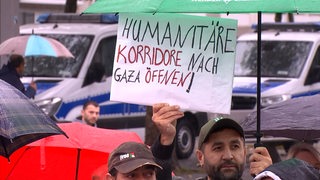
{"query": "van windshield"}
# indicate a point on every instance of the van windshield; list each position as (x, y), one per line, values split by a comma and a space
(278, 58)
(60, 67)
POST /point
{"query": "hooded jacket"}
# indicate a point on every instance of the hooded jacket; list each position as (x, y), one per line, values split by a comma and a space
(13, 78)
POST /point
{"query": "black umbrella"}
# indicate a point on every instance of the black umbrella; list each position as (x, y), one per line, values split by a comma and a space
(21, 121)
(297, 118)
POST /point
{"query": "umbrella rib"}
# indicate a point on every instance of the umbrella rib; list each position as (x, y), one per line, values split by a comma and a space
(78, 162)
(158, 8)
(17, 162)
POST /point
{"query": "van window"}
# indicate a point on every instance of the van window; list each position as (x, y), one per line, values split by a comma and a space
(278, 58)
(316, 59)
(314, 71)
(60, 67)
(102, 63)
(105, 54)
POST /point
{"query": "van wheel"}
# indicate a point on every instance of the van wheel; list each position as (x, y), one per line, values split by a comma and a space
(185, 139)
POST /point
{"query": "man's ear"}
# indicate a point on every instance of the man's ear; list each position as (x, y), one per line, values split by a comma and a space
(82, 112)
(109, 177)
(200, 157)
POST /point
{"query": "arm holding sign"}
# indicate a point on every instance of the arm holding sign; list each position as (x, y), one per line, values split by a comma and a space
(165, 118)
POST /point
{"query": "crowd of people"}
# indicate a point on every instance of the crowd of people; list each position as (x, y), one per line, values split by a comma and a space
(221, 153)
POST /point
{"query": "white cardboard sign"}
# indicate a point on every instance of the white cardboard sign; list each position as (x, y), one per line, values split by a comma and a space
(179, 59)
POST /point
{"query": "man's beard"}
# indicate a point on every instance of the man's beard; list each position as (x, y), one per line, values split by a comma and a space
(215, 173)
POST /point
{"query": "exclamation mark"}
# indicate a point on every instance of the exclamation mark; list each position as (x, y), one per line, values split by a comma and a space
(188, 90)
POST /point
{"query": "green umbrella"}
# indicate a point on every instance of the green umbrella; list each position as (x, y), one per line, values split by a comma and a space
(204, 6)
(212, 6)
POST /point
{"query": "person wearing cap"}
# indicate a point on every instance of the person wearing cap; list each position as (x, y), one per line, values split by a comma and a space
(132, 160)
(222, 154)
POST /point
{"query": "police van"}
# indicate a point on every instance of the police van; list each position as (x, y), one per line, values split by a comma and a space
(290, 66)
(64, 85)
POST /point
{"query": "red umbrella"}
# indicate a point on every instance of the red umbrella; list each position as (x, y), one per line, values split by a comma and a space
(58, 157)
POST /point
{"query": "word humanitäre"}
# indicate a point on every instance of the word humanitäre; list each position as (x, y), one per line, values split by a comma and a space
(176, 36)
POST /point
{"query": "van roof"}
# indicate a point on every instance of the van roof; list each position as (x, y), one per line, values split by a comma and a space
(283, 36)
(280, 31)
(78, 18)
(71, 23)
(68, 28)
(290, 26)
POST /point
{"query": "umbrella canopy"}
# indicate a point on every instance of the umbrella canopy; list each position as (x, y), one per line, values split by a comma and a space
(296, 118)
(200, 6)
(58, 157)
(21, 121)
(34, 45)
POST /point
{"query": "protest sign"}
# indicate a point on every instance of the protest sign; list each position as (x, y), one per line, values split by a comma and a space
(174, 58)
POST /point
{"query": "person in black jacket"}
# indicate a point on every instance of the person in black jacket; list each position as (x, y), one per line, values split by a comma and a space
(12, 72)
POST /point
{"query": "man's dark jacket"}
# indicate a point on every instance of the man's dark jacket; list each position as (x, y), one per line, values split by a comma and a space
(12, 77)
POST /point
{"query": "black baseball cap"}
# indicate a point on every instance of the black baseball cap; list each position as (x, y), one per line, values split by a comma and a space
(215, 125)
(129, 156)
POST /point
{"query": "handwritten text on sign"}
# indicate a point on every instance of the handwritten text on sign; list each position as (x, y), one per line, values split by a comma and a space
(178, 59)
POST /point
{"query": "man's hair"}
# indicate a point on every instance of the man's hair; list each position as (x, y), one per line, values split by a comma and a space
(15, 61)
(90, 102)
(113, 172)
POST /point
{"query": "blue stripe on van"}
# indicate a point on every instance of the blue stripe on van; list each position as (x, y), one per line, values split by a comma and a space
(135, 108)
(309, 93)
(119, 108)
(66, 107)
(252, 87)
(43, 85)
(112, 109)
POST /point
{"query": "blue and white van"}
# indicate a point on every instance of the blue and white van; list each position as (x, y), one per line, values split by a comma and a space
(290, 66)
(64, 85)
